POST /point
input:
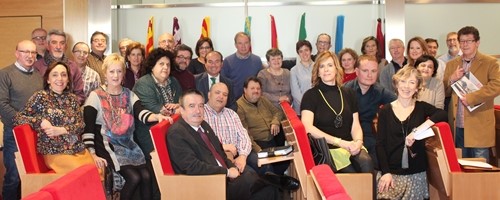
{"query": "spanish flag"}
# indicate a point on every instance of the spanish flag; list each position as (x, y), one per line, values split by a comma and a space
(205, 27)
(149, 38)
(274, 34)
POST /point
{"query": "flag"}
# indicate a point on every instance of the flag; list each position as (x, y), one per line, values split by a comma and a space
(274, 35)
(339, 35)
(248, 28)
(205, 27)
(149, 38)
(176, 31)
(302, 29)
(380, 39)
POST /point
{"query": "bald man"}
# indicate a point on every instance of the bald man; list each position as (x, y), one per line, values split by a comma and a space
(166, 41)
(18, 82)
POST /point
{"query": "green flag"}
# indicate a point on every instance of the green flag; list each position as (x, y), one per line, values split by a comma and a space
(302, 31)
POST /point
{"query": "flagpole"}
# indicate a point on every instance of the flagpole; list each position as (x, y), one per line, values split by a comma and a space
(246, 8)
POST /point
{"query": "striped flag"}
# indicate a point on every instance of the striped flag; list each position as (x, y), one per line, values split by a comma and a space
(205, 27)
(381, 39)
(176, 31)
(339, 35)
(149, 38)
(274, 34)
(248, 28)
(302, 29)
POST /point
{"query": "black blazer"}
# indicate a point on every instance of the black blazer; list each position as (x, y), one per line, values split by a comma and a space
(189, 154)
(201, 81)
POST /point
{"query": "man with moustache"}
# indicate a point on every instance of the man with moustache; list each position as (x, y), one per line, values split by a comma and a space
(183, 55)
(98, 45)
(371, 95)
(195, 150)
(397, 50)
(56, 47)
(211, 76)
(18, 82)
(262, 120)
(39, 37)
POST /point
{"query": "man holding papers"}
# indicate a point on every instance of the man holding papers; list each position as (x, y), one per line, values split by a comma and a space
(474, 128)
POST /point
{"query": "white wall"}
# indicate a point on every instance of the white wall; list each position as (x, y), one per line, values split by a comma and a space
(360, 21)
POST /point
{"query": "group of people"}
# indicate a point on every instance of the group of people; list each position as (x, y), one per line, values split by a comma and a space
(99, 108)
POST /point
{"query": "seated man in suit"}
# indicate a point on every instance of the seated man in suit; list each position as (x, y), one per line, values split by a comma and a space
(205, 80)
(195, 150)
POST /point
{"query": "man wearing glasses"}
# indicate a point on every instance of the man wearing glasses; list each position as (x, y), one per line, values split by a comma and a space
(39, 37)
(56, 47)
(166, 42)
(453, 47)
(323, 43)
(98, 45)
(474, 130)
(18, 82)
(183, 54)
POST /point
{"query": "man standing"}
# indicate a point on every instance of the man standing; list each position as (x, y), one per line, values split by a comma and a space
(474, 131)
(227, 126)
(397, 49)
(195, 150)
(453, 47)
(183, 55)
(56, 48)
(18, 82)
(166, 42)
(98, 45)
(371, 95)
(323, 43)
(91, 79)
(211, 76)
(432, 46)
(242, 64)
(39, 37)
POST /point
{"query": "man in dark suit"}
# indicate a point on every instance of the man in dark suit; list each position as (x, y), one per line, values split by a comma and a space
(195, 150)
(205, 80)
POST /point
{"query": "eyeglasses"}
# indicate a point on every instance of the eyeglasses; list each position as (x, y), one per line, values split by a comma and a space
(182, 57)
(467, 41)
(28, 52)
(39, 38)
(451, 40)
(81, 53)
(323, 43)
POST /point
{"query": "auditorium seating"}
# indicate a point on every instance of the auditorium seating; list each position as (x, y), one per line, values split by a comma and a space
(447, 180)
(181, 186)
(328, 184)
(33, 172)
(357, 185)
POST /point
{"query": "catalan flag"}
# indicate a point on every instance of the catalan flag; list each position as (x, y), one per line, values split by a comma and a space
(205, 27)
(274, 34)
(149, 38)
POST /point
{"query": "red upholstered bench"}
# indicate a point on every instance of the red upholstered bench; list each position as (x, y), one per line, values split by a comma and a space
(181, 186)
(33, 172)
(446, 178)
(83, 183)
(357, 185)
(328, 184)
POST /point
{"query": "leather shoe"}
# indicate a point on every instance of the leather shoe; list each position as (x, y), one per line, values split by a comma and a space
(283, 182)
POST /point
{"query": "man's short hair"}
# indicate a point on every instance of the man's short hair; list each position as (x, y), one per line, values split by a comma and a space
(183, 47)
(302, 43)
(252, 78)
(189, 92)
(242, 34)
(55, 32)
(430, 40)
(38, 29)
(367, 58)
(216, 52)
(469, 30)
(99, 33)
(321, 34)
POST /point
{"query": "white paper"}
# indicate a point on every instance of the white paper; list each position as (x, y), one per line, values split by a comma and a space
(419, 135)
(465, 86)
(474, 163)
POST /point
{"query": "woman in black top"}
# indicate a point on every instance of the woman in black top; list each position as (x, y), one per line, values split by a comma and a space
(402, 159)
(330, 111)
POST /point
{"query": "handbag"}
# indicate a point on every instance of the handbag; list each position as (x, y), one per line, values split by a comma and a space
(321, 152)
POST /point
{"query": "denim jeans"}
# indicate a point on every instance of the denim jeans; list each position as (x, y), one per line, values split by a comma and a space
(469, 152)
(11, 181)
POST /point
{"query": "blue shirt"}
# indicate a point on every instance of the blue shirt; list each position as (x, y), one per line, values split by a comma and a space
(369, 103)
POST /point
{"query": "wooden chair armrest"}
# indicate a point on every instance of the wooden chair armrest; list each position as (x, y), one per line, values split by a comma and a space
(357, 185)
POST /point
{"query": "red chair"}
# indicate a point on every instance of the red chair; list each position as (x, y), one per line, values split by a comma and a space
(328, 184)
(33, 172)
(446, 178)
(357, 185)
(181, 186)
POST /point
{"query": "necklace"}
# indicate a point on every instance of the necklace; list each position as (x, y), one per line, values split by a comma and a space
(338, 119)
(406, 150)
